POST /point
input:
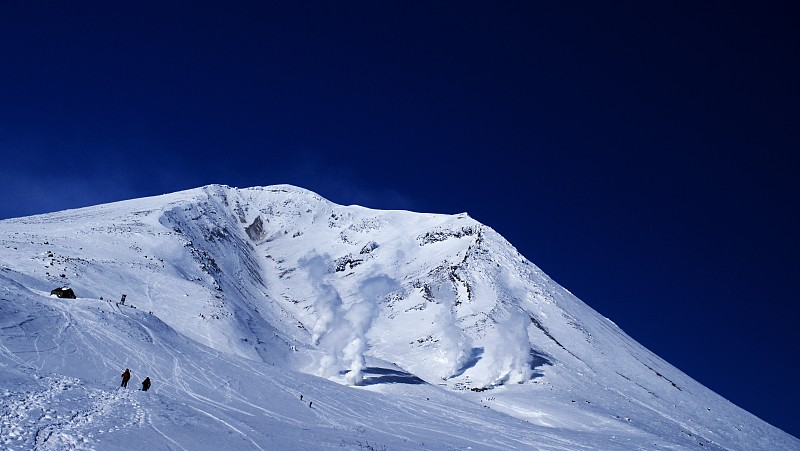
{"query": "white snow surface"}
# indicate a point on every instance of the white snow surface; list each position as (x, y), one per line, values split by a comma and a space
(400, 330)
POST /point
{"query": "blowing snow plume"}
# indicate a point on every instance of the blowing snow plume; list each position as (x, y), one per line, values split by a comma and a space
(327, 302)
(339, 332)
(510, 357)
(359, 317)
(454, 345)
(328, 305)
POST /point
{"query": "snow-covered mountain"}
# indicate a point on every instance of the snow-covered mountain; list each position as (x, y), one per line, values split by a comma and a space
(271, 318)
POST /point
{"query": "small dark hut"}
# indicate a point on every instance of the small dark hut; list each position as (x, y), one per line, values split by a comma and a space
(64, 293)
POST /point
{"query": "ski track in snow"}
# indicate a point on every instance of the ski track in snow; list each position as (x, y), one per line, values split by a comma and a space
(230, 426)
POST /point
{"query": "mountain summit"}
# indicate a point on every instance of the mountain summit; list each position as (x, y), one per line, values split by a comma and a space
(272, 318)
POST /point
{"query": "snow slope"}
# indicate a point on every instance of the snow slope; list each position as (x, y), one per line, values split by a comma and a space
(404, 331)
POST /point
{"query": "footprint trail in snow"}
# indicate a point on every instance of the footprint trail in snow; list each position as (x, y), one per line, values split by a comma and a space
(64, 414)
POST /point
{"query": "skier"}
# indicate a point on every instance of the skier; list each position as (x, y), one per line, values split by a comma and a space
(145, 384)
(123, 299)
(126, 376)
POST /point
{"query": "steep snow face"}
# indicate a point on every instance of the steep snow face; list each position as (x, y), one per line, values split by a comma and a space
(237, 299)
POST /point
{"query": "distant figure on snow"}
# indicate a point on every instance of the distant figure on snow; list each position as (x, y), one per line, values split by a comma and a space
(126, 376)
(145, 384)
(123, 299)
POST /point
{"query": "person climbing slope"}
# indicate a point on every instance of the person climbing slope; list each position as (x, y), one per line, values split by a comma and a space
(126, 376)
(146, 384)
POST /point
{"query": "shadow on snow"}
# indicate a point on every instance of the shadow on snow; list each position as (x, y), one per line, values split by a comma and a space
(375, 376)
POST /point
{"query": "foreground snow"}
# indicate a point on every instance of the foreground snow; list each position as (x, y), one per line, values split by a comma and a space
(239, 302)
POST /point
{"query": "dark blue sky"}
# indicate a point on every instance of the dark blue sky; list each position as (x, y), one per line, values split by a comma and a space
(644, 154)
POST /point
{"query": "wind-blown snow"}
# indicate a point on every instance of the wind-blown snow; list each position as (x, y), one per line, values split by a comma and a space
(270, 318)
(510, 352)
